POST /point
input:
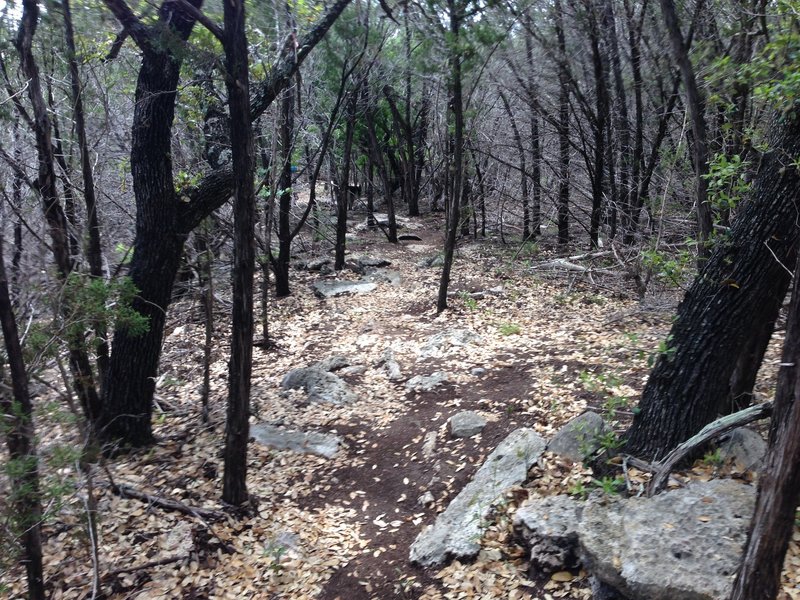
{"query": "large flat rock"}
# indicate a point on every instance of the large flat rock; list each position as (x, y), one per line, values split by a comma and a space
(458, 530)
(680, 545)
(320, 444)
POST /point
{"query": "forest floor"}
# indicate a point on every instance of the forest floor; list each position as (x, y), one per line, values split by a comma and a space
(552, 345)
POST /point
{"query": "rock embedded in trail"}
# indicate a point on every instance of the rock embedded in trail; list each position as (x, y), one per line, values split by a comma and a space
(549, 527)
(466, 424)
(390, 365)
(320, 385)
(331, 289)
(320, 444)
(445, 340)
(458, 530)
(579, 438)
(383, 276)
(335, 362)
(426, 383)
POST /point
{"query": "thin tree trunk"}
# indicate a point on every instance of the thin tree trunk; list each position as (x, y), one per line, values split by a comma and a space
(21, 441)
(526, 218)
(457, 158)
(759, 577)
(695, 103)
(94, 251)
(343, 192)
(563, 129)
(281, 262)
(237, 433)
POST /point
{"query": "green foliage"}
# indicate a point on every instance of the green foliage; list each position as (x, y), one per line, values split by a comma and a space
(726, 181)
(713, 458)
(579, 490)
(610, 486)
(469, 302)
(665, 349)
(670, 269)
(94, 300)
(509, 329)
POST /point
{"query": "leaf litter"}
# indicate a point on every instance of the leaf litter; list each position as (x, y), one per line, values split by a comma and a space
(549, 349)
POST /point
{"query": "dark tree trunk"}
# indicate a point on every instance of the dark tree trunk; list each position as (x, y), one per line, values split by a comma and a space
(205, 259)
(599, 124)
(563, 129)
(737, 293)
(420, 136)
(377, 159)
(158, 245)
(759, 576)
(281, 262)
(94, 251)
(21, 441)
(695, 103)
(162, 221)
(457, 156)
(237, 428)
(630, 215)
(536, 144)
(83, 379)
(342, 193)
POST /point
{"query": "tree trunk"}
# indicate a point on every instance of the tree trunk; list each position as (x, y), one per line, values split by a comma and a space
(162, 221)
(21, 439)
(83, 379)
(599, 125)
(237, 428)
(94, 251)
(343, 193)
(695, 103)
(281, 262)
(759, 576)
(563, 130)
(526, 218)
(738, 291)
(457, 157)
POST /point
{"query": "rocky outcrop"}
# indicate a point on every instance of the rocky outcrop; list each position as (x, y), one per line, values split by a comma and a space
(458, 530)
(745, 447)
(331, 289)
(680, 545)
(426, 383)
(445, 340)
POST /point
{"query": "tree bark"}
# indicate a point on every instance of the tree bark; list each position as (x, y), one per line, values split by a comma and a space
(237, 430)
(162, 220)
(457, 158)
(695, 103)
(21, 441)
(759, 577)
(563, 129)
(281, 262)
(740, 289)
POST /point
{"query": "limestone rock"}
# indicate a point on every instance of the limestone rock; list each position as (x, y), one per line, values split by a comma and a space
(429, 444)
(457, 531)
(384, 276)
(426, 383)
(445, 340)
(331, 289)
(373, 261)
(321, 444)
(680, 545)
(436, 260)
(334, 363)
(320, 385)
(745, 446)
(549, 527)
(578, 438)
(466, 424)
(390, 365)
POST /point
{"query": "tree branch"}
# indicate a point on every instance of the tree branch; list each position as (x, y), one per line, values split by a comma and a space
(130, 23)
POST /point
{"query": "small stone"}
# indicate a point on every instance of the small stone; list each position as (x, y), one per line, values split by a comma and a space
(426, 499)
(320, 444)
(578, 439)
(466, 424)
(478, 372)
(331, 289)
(320, 385)
(429, 444)
(334, 363)
(745, 447)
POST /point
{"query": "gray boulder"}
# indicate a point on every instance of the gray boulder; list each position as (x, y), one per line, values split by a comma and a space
(320, 385)
(426, 383)
(680, 545)
(578, 439)
(320, 444)
(331, 289)
(745, 447)
(384, 276)
(436, 260)
(390, 365)
(458, 530)
(466, 424)
(373, 261)
(549, 527)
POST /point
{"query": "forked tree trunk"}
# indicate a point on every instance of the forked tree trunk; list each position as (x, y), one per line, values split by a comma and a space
(738, 292)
